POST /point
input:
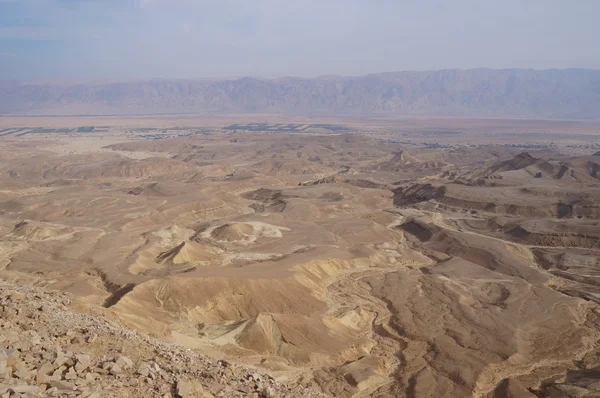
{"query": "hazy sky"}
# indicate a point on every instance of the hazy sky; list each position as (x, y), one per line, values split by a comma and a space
(98, 39)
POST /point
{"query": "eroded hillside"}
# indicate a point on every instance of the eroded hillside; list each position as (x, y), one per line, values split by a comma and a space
(355, 267)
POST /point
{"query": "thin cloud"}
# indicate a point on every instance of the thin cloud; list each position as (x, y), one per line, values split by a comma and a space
(204, 38)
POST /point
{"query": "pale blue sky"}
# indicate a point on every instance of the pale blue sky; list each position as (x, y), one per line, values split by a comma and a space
(119, 39)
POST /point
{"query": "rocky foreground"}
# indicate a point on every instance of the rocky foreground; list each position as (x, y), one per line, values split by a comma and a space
(48, 350)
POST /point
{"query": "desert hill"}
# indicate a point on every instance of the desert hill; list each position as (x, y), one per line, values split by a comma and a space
(347, 265)
(51, 349)
(405, 161)
(580, 168)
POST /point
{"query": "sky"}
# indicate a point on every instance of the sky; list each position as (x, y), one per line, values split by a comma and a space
(130, 39)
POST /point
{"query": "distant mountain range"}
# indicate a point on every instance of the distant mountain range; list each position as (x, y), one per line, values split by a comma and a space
(564, 93)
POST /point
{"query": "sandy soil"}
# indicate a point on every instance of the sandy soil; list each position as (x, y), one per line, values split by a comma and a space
(355, 264)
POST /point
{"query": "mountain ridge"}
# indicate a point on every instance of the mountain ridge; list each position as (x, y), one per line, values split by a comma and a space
(552, 93)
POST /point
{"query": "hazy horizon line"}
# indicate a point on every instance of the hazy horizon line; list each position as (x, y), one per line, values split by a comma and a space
(233, 78)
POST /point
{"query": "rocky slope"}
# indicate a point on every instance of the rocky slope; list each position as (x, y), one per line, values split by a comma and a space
(569, 93)
(49, 350)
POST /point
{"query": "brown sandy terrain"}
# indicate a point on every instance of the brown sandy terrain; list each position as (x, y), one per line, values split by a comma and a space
(356, 264)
